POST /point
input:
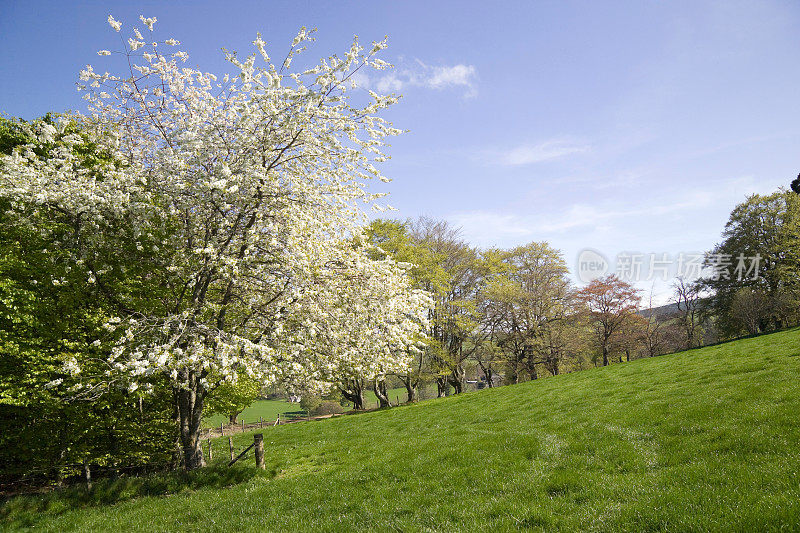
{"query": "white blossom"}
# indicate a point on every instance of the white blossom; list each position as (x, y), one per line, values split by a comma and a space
(148, 22)
(117, 25)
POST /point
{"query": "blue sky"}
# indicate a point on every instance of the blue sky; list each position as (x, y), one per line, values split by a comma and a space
(616, 126)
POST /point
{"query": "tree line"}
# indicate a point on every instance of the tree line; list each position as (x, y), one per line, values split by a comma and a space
(509, 315)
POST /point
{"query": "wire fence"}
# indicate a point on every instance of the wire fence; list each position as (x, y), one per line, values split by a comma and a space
(242, 427)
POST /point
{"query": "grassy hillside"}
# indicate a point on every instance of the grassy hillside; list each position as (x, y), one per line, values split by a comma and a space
(702, 440)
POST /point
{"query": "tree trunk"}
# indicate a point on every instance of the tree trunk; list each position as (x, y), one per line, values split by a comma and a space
(531, 367)
(411, 390)
(456, 379)
(554, 365)
(441, 387)
(379, 387)
(487, 374)
(605, 355)
(354, 393)
(177, 453)
(232, 418)
(190, 407)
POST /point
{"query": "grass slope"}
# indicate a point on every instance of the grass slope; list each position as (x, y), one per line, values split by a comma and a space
(701, 440)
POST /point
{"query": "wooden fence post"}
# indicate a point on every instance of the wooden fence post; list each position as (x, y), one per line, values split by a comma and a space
(259, 448)
(87, 474)
(261, 421)
(242, 425)
(210, 453)
(222, 429)
(230, 446)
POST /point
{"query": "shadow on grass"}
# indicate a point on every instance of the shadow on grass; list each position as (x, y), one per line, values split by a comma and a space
(26, 510)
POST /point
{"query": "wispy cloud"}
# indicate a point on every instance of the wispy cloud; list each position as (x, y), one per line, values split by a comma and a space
(530, 153)
(453, 76)
(419, 74)
(582, 219)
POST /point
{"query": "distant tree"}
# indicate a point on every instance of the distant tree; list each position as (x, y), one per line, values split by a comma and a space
(687, 299)
(489, 358)
(309, 401)
(608, 303)
(654, 338)
(498, 291)
(796, 184)
(534, 299)
(455, 282)
(630, 336)
(230, 399)
(561, 343)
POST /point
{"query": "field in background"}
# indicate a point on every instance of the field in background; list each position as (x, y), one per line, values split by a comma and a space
(706, 439)
(270, 409)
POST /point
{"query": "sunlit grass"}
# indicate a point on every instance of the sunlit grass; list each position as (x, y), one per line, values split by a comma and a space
(702, 440)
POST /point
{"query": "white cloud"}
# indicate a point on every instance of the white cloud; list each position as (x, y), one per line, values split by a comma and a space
(457, 75)
(527, 154)
(422, 75)
(389, 83)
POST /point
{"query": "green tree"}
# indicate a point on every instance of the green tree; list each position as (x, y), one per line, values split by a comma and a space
(532, 302)
(454, 277)
(407, 242)
(767, 227)
(51, 320)
(230, 399)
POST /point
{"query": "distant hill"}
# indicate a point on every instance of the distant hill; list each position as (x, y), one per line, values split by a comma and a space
(661, 312)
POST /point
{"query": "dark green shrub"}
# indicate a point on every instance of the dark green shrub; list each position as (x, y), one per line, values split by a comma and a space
(327, 407)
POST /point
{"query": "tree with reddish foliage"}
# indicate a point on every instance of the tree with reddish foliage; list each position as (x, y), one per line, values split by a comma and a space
(609, 304)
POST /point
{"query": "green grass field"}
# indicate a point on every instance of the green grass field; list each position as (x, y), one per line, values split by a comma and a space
(704, 440)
